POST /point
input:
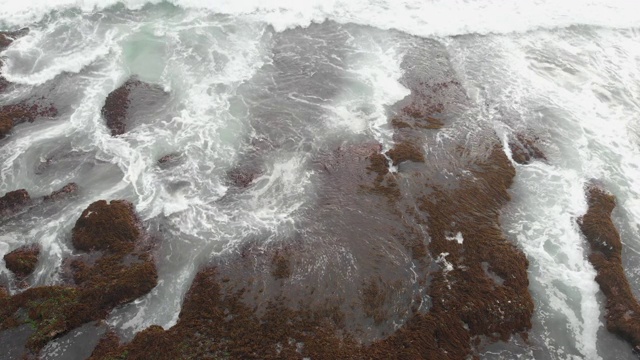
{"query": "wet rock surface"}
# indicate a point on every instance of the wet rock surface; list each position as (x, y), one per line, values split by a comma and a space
(123, 101)
(622, 308)
(114, 267)
(23, 260)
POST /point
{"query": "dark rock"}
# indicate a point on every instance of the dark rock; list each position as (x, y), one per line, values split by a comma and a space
(116, 268)
(67, 190)
(14, 201)
(117, 106)
(524, 149)
(622, 308)
(23, 260)
(169, 160)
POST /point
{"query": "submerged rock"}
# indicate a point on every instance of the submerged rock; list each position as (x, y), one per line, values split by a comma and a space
(243, 177)
(169, 160)
(115, 267)
(281, 265)
(66, 190)
(622, 308)
(23, 260)
(405, 151)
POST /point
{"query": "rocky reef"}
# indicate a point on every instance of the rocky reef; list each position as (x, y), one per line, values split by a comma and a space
(477, 279)
(114, 266)
(622, 308)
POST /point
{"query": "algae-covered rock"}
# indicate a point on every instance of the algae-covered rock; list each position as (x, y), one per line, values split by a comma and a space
(13, 201)
(23, 260)
(622, 308)
(12, 115)
(115, 267)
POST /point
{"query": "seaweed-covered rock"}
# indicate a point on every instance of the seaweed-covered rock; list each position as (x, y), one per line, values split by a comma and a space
(23, 260)
(622, 308)
(117, 106)
(106, 226)
(12, 115)
(13, 201)
(115, 267)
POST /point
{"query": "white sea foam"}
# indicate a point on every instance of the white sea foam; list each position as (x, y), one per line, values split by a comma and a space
(418, 17)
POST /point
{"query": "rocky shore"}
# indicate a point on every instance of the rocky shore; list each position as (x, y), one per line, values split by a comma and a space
(400, 254)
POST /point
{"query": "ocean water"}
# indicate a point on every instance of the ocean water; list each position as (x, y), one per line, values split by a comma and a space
(273, 85)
